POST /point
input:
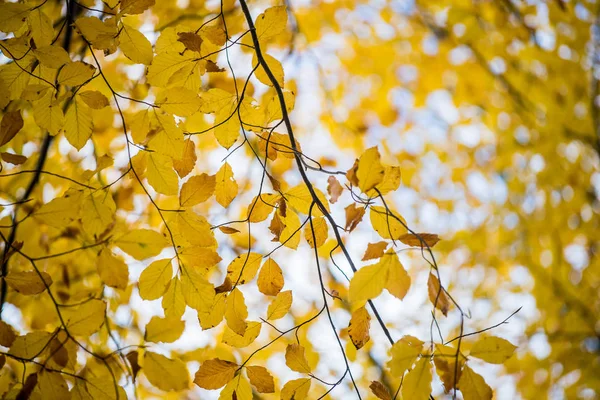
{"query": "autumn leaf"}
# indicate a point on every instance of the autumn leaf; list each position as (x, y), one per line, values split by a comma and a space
(492, 349)
(215, 373)
(420, 240)
(295, 359)
(374, 251)
(165, 373)
(380, 391)
(358, 329)
(270, 279)
(12, 123)
(29, 282)
(261, 379)
(280, 305)
(437, 296)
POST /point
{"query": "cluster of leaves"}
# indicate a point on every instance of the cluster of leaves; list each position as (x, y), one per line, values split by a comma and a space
(110, 196)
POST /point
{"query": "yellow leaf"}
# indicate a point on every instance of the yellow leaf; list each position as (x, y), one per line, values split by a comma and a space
(290, 235)
(198, 293)
(226, 187)
(188, 160)
(52, 385)
(243, 268)
(140, 126)
(437, 296)
(193, 229)
(270, 279)
(155, 279)
(75, 73)
(296, 389)
(280, 305)
(387, 225)
(94, 99)
(142, 243)
(261, 379)
(78, 124)
(7, 334)
(275, 67)
(97, 212)
(161, 175)
(473, 386)
(173, 301)
(101, 388)
(213, 315)
(368, 282)
(52, 56)
(135, 6)
(102, 35)
(11, 124)
(13, 15)
(233, 339)
(493, 349)
(236, 312)
(178, 101)
(391, 181)
(41, 28)
(271, 23)
(85, 319)
(227, 126)
(28, 282)
(403, 354)
(198, 257)
(48, 114)
(300, 199)
(196, 190)
(238, 388)
(380, 391)
(169, 139)
(164, 373)
(166, 330)
(374, 251)
(166, 64)
(295, 359)
(358, 329)
(370, 172)
(135, 45)
(320, 228)
(112, 270)
(417, 383)
(34, 92)
(261, 207)
(59, 212)
(398, 281)
(215, 373)
(31, 345)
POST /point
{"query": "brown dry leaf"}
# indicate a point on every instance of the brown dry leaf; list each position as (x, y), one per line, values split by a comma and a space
(353, 216)
(190, 40)
(379, 390)
(14, 159)
(228, 230)
(334, 188)
(420, 239)
(374, 250)
(437, 296)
